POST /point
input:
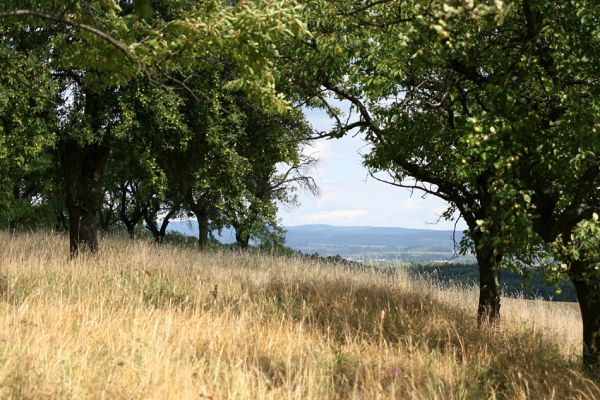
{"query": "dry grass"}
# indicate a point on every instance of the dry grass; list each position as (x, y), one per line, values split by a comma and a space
(140, 322)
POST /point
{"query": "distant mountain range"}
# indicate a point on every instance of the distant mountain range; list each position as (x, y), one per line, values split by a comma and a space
(358, 242)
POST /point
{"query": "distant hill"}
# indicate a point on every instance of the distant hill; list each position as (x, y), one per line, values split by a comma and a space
(358, 242)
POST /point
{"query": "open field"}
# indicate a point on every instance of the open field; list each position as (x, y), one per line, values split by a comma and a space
(141, 322)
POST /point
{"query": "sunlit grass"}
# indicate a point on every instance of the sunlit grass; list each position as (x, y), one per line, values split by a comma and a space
(145, 322)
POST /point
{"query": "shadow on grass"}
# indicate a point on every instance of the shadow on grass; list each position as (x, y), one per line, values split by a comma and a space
(493, 361)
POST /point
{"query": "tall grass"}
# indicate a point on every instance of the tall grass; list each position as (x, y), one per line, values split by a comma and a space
(143, 322)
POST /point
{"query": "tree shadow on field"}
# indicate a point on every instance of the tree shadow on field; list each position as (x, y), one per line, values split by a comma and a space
(347, 311)
(496, 362)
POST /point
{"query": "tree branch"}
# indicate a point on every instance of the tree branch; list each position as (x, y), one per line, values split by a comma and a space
(69, 22)
(417, 185)
(365, 7)
(367, 120)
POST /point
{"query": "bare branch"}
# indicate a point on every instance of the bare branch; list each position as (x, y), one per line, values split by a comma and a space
(417, 185)
(321, 135)
(367, 120)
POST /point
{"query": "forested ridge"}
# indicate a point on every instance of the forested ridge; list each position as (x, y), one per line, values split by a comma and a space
(127, 113)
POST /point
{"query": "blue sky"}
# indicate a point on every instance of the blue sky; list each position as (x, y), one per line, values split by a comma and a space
(350, 197)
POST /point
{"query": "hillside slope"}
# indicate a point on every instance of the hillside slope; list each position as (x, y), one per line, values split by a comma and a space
(145, 322)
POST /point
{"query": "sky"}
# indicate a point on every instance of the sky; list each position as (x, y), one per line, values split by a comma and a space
(350, 197)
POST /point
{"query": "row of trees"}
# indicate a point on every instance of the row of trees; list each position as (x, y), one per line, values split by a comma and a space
(94, 138)
(491, 105)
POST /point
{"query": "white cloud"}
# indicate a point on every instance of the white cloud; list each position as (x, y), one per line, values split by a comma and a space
(336, 215)
(349, 197)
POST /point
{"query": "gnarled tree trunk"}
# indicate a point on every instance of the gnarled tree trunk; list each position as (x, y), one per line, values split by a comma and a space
(242, 239)
(488, 310)
(203, 227)
(150, 214)
(130, 219)
(83, 168)
(200, 211)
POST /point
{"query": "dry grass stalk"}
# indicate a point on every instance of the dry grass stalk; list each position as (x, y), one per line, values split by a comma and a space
(141, 322)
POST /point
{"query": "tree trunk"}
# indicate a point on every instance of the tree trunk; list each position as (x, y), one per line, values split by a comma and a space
(152, 226)
(488, 310)
(130, 223)
(202, 218)
(130, 230)
(588, 296)
(163, 228)
(243, 242)
(241, 239)
(83, 167)
(150, 219)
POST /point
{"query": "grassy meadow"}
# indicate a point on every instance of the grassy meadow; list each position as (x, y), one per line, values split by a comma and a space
(145, 322)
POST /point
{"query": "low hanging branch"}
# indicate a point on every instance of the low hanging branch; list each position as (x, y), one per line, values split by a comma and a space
(69, 22)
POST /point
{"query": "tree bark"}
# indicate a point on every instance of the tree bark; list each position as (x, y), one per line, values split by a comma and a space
(130, 230)
(488, 310)
(243, 241)
(151, 225)
(588, 296)
(129, 220)
(163, 227)
(83, 168)
(199, 210)
(202, 218)
(130, 223)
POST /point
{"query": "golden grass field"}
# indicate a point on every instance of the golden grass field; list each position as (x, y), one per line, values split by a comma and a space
(145, 322)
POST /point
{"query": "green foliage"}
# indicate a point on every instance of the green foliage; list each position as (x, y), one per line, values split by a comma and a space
(26, 96)
(151, 84)
(486, 104)
(583, 243)
(143, 8)
(272, 146)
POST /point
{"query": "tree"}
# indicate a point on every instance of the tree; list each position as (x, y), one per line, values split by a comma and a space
(209, 171)
(364, 54)
(498, 99)
(534, 70)
(136, 181)
(272, 146)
